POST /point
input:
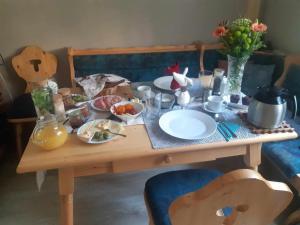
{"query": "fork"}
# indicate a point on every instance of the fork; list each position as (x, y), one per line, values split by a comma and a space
(108, 130)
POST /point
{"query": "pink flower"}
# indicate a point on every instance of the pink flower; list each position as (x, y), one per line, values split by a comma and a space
(259, 27)
(220, 31)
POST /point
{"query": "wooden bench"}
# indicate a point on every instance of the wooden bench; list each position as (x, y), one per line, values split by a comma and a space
(136, 63)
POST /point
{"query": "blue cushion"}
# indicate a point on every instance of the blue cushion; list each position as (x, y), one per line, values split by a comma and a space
(137, 67)
(22, 107)
(270, 59)
(161, 190)
(292, 81)
(285, 154)
(256, 75)
(211, 58)
(294, 123)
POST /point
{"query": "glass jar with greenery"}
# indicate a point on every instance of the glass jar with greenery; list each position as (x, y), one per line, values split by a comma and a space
(43, 102)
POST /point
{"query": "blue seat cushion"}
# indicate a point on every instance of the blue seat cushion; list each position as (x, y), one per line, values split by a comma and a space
(213, 57)
(161, 190)
(256, 75)
(137, 67)
(22, 107)
(285, 154)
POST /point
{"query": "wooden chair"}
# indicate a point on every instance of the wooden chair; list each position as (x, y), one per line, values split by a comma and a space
(34, 65)
(277, 154)
(288, 62)
(206, 197)
(206, 46)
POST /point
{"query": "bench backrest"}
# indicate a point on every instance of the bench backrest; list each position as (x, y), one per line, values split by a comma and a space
(135, 64)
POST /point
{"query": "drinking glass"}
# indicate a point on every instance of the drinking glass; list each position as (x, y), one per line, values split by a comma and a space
(206, 81)
(153, 105)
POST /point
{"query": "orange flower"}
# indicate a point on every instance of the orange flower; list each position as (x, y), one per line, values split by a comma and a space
(259, 27)
(220, 31)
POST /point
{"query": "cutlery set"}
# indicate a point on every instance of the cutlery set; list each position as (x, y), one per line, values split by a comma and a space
(226, 131)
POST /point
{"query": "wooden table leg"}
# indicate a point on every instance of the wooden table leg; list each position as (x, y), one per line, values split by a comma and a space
(252, 158)
(66, 189)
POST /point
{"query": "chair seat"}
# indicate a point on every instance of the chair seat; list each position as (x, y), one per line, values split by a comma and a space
(286, 156)
(161, 190)
(22, 107)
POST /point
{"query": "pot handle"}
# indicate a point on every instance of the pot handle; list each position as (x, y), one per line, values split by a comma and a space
(295, 106)
(293, 99)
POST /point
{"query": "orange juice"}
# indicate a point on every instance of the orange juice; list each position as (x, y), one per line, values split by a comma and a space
(49, 135)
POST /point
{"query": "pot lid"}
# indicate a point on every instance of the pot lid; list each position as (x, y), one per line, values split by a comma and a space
(271, 95)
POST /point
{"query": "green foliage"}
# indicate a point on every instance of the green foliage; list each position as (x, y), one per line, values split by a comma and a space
(240, 40)
(42, 99)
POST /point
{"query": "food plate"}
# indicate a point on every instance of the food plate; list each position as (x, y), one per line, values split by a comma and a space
(187, 124)
(163, 82)
(79, 98)
(126, 110)
(87, 131)
(104, 103)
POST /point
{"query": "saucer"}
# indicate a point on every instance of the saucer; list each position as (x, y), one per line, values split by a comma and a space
(212, 111)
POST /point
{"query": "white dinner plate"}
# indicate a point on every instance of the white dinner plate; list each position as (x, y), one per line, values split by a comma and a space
(163, 83)
(187, 124)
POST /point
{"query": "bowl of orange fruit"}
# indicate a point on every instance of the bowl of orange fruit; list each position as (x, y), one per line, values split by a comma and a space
(126, 110)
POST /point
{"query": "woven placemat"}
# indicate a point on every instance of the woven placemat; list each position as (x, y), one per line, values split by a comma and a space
(160, 140)
(283, 128)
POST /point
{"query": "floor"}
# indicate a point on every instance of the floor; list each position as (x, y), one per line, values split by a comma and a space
(105, 199)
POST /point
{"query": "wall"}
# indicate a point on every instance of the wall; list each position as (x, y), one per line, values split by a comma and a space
(283, 20)
(56, 24)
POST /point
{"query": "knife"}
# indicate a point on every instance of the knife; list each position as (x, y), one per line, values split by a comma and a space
(222, 132)
(230, 131)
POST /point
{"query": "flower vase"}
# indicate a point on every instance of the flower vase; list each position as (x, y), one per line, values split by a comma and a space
(236, 67)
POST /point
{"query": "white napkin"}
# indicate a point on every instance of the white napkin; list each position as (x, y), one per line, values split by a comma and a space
(40, 178)
(95, 83)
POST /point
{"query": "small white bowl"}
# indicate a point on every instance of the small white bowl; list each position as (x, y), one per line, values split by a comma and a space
(126, 117)
(167, 101)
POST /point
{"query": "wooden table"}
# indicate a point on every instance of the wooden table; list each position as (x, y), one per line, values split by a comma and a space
(132, 153)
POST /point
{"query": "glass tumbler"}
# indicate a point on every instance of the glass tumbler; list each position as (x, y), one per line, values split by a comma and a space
(153, 105)
(206, 81)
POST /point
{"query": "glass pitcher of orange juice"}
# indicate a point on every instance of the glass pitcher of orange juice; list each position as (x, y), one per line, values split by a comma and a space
(49, 133)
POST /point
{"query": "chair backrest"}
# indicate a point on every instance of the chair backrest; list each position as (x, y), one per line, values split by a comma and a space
(34, 65)
(204, 47)
(135, 64)
(288, 62)
(247, 197)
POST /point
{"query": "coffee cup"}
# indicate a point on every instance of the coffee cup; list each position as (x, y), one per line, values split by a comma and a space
(215, 103)
(143, 91)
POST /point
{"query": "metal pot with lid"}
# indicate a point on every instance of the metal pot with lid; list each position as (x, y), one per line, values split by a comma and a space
(268, 107)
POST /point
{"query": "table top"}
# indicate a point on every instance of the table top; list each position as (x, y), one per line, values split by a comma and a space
(137, 144)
